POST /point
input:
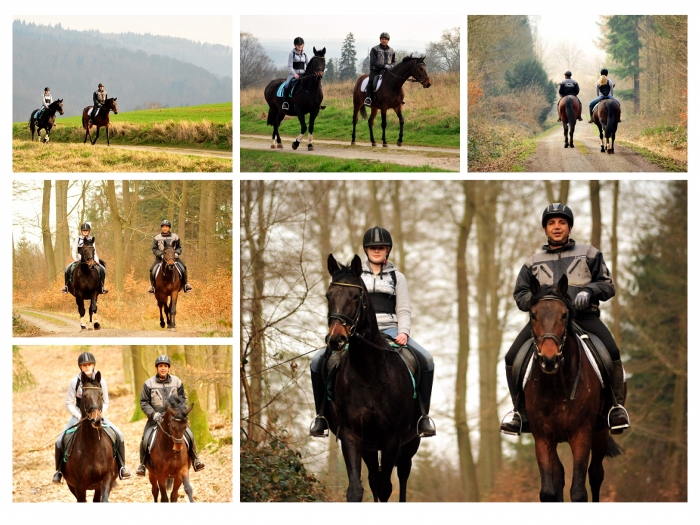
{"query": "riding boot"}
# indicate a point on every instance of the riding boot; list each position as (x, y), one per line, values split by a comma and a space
(141, 469)
(518, 422)
(187, 288)
(319, 426)
(197, 463)
(368, 98)
(426, 427)
(124, 472)
(580, 109)
(152, 289)
(65, 277)
(102, 281)
(618, 418)
(59, 459)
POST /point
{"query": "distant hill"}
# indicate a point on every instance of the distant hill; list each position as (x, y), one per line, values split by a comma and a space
(72, 66)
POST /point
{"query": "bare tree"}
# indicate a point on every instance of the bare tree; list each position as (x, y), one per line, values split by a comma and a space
(443, 56)
(256, 66)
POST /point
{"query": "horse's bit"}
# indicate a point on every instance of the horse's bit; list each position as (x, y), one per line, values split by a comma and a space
(559, 341)
(344, 319)
(177, 441)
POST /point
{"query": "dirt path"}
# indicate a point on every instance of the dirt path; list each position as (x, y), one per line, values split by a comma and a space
(178, 151)
(550, 154)
(443, 158)
(52, 325)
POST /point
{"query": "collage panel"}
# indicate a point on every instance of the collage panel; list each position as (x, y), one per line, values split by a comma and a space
(346, 95)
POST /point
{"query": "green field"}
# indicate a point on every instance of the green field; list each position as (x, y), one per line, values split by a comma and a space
(207, 126)
(268, 161)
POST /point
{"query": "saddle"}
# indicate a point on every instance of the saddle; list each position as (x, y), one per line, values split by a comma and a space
(292, 87)
(376, 84)
(150, 437)
(96, 110)
(69, 438)
(156, 269)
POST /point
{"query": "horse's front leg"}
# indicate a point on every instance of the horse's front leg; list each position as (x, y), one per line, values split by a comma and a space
(97, 135)
(352, 452)
(162, 484)
(356, 110)
(93, 311)
(384, 144)
(173, 310)
(302, 121)
(107, 131)
(400, 115)
(106, 488)
(370, 122)
(80, 494)
(581, 450)
(550, 469)
(81, 309)
(177, 481)
(312, 119)
(154, 485)
(160, 307)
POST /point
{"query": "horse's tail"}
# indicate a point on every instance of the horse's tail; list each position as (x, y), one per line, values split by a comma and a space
(570, 113)
(270, 119)
(363, 111)
(611, 123)
(614, 449)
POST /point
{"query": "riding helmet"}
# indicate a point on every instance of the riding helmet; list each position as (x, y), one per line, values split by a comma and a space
(162, 359)
(46, 89)
(384, 35)
(85, 226)
(377, 236)
(558, 210)
(298, 41)
(604, 71)
(166, 222)
(86, 357)
(567, 74)
(100, 85)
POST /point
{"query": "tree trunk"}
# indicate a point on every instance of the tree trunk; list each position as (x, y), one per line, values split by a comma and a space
(128, 225)
(127, 366)
(617, 333)
(376, 204)
(171, 201)
(467, 467)
(117, 238)
(195, 394)
(211, 226)
(396, 229)
(182, 216)
(595, 214)
(141, 357)
(202, 227)
(222, 363)
(46, 234)
(62, 243)
(563, 191)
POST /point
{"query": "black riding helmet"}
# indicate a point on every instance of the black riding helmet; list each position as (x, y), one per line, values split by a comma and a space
(298, 41)
(162, 359)
(384, 35)
(377, 236)
(567, 74)
(85, 226)
(86, 357)
(100, 85)
(166, 222)
(46, 89)
(558, 210)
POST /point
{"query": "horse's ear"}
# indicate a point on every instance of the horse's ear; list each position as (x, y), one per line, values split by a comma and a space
(563, 285)
(534, 285)
(322, 52)
(315, 52)
(189, 409)
(92, 239)
(332, 264)
(83, 377)
(356, 266)
(115, 99)
(98, 376)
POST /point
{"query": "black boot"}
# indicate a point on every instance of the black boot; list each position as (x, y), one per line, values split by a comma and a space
(141, 469)
(124, 472)
(187, 288)
(319, 426)
(59, 459)
(581, 109)
(518, 422)
(618, 418)
(197, 463)
(102, 284)
(426, 427)
(368, 98)
(152, 289)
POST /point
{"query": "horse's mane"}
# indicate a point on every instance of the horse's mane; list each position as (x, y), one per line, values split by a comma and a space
(411, 57)
(178, 404)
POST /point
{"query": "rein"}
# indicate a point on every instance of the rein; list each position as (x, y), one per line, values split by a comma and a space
(177, 441)
(408, 78)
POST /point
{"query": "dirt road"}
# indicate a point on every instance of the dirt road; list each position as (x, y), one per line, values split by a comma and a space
(177, 151)
(443, 158)
(550, 154)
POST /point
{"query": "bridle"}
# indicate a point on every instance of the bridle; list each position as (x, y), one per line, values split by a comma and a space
(408, 78)
(89, 409)
(344, 319)
(177, 441)
(559, 341)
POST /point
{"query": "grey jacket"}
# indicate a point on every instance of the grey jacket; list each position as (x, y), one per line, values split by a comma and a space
(155, 392)
(381, 56)
(98, 98)
(158, 245)
(584, 267)
(295, 56)
(46, 99)
(383, 283)
(597, 88)
(75, 393)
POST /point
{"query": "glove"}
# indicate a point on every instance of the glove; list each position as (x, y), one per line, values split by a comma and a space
(582, 300)
(177, 256)
(157, 417)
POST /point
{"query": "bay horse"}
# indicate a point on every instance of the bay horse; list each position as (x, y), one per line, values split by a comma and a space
(389, 96)
(569, 107)
(168, 284)
(100, 121)
(169, 464)
(85, 284)
(307, 98)
(91, 463)
(373, 412)
(564, 399)
(606, 114)
(46, 121)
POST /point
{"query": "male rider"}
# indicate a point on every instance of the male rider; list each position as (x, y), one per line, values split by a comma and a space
(99, 98)
(569, 86)
(381, 57)
(158, 249)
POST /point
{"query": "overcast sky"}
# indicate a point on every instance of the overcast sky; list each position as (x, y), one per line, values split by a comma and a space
(212, 29)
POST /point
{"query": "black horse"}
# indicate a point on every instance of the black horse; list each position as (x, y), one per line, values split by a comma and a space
(307, 98)
(606, 115)
(373, 413)
(46, 121)
(168, 284)
(99, 121)
(85, 283)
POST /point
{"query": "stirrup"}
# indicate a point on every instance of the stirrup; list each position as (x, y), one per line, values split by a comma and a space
(618, 427)
(326, 431)
(124, 473)
(423, 434)
(187, 288)
(64, 289)
(198, 466)
(285, 105)
(57, 477)
(141, 470)
(508, 432)
(368, 101)
(152, 290)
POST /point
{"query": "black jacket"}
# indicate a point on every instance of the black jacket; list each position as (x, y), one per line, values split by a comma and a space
(568, 86)
(159, 244)
(381, 56)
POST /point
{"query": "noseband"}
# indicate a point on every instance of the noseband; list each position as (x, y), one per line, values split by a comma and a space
(559, 341)
(95, 407)
(177, 441)
(344, 319)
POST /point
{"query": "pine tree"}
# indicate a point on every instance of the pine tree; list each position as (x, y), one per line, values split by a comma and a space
(348, 58)
(623, 45)
(330, 74)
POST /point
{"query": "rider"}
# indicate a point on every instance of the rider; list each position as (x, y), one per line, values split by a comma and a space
(296, 65)
(569, 86)
(388, 291)
(158, 248)
(589, 283)
(99, 97)
(75, 252)
(46, 100)
(603, 89)
(86, 362)
(381, 57)
(153, 395)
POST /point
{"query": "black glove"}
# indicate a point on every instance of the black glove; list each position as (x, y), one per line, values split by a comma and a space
(582, 300)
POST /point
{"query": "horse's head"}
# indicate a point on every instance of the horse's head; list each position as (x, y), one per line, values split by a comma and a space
(169, 255)
(549, 316)
(111, 103)
(347, 301)
(88, 251)
(419, 71)
(57, 105)
(318, 63)
(177, 410)
(91, 404)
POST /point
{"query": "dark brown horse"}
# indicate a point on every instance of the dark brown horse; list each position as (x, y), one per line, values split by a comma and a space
(606, 115)
(168, 286)
(373, 412)
(307, 98)
(46, 121)
(85, 284)
(169, 464)
(564, 399)
(569, 108)
(390, 95)
(91, 464)
(99, 121)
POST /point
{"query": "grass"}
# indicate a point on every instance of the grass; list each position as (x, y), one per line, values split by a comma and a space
(431, 116)
(58, 157)
(20, 328)
(48, 318)
(663, 162)
(207, 127)
(268, 161)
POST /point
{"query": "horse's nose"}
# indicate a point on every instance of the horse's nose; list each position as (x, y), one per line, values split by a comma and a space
(427, 84)
(338, 341)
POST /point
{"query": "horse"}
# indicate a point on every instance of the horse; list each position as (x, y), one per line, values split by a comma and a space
(607, 113)
(85, 283)
(569, 107)
(168, 285)
(170, 463)
(91, 463)
(307, 98)
(99, 121)
(47, 120)
(373, 413)
(564, 399)
(390, 95)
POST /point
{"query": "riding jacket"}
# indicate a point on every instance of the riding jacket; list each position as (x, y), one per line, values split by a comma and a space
(99, 98)
(582, 264)
(297, 62)
(388, 292)
(158, 246)
(155, 391)
(75, 396)
(78, 243)
(568, 86)
(46, 99)
(605, 90)
(380, 57)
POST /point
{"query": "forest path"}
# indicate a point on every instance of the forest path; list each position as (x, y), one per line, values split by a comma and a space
(550, 155)
(178, 151)
(53, 325)
(443, 158)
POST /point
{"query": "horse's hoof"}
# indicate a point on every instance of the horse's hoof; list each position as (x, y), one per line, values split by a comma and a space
(83, 327)
(295, 144)
(399, 144)
(97, 326)
(310, 147)
(352, 143)
(566, 145)
(162, 324)
(374, 144)
(272, 147)
(280, 146)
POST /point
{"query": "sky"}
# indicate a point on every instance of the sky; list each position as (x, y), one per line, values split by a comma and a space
(211, 29)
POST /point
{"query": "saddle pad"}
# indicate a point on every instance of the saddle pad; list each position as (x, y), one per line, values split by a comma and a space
(280, 89)
(91, 110)
(363, 87)
(292, 85)
(590, 357)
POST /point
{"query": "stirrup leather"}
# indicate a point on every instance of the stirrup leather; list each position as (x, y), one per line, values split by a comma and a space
(618, 427)
(326, 432)
(418, 426)
(507, 432)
